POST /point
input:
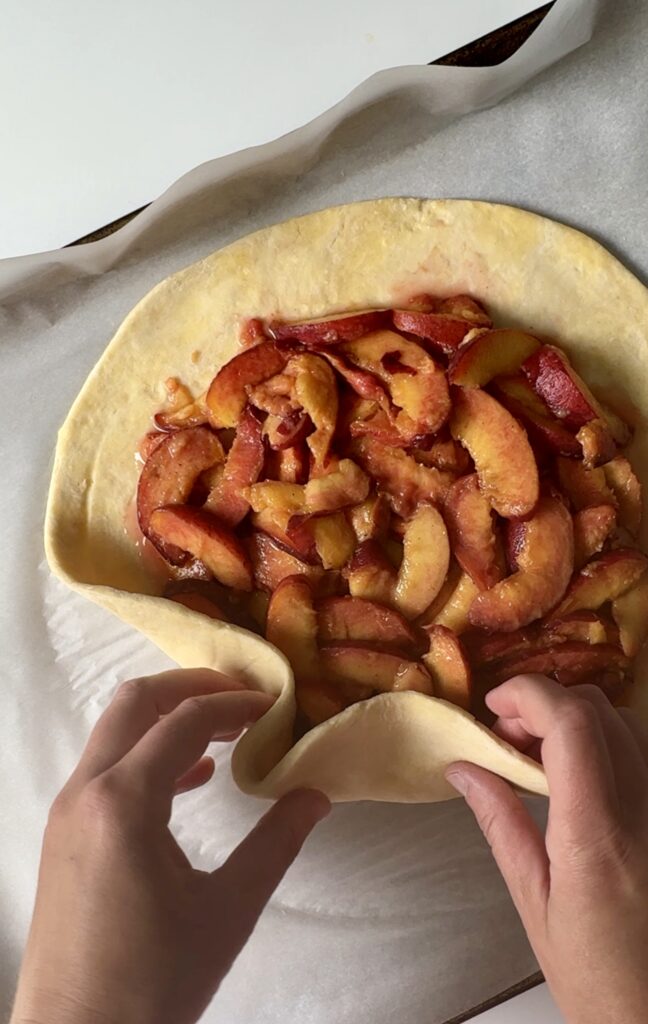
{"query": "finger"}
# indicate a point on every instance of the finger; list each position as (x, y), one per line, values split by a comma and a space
(250, 875)
(176, 742)
(513, 836)
(512, 731)
(197, 776)
(574, 751)
(136, 708)
(637, 729)
(627, 760)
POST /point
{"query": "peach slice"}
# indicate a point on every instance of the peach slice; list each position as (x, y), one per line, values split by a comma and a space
(485, 648)
(370, 574)
(426, 558)
(272, 563)
(405, 482)
(290, 465)
(470, 524)
(416, 384)
(291, 625)
(597, 443)
(365, 384)
(193, 414)
(630, 612)
(227, 394)
(592, 527)
(583, 625)
(149, 443)
(330, 535)
(298, 540)
(376, 669)
(281, 500)
(584, 487)
(569, 663)
(319, 701)
(503, 457)
(202, 535)
(204, 594)
(274, 395)
(555, 380)
(378, 427)
(330, 330)
(443, 331)
(354, 618)
(287, 431)
(466, 307)
(370, 518)
(447, 663)
(346, 485)
(316, 392)
(567, 395)
(444, 454)
(252, 331)
(516, 394)
(455, 611)
(181, 410)
(168, 477)
(243, 465)
(199, 603)
(604, 579)
(626, 488)
(545, 561)
(489, 355)
(335, 540)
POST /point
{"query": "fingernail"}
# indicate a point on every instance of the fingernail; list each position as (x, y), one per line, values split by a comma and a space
(458, 781)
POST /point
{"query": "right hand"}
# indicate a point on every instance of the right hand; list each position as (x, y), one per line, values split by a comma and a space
(581, 890)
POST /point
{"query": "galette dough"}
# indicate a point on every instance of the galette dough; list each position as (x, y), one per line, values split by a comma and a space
(529, 271)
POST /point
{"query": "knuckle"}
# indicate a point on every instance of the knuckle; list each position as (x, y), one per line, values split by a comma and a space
(102, 797)
(605, 855)
(579, 716)
(192, 707)
(59, 809)
(129, 689)
(592, 693)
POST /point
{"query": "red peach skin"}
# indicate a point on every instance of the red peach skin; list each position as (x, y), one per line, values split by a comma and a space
(472, 532)
(202, 535)
(227, 396)
(545, 560)
(447, 663)
(169, 475)
(243, 466)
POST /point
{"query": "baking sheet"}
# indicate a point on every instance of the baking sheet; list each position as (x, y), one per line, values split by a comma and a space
(390, 910)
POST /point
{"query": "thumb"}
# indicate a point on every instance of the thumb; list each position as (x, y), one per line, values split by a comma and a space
(514, 838)
(250, 875)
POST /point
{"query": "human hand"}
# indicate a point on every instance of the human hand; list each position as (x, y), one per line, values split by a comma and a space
(582, 891)
(124, 929)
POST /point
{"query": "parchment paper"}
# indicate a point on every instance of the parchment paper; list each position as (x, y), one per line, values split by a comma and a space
(391, 912)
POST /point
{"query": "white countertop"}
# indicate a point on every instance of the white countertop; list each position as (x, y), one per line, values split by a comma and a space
(104, 105)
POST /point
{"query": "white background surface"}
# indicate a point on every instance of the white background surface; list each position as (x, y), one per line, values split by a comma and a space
(104, 105)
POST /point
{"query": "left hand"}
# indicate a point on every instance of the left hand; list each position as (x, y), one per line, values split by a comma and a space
(124, 929)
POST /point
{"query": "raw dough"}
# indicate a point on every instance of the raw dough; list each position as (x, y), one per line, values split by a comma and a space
(529, 271)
